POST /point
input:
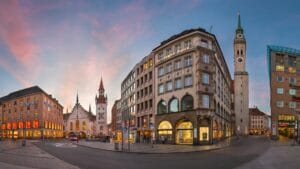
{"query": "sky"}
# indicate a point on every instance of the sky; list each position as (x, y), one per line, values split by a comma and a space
(65, 47)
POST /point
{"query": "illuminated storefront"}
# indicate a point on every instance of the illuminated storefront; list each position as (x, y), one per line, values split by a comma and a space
(165, 131)
(184, 132)
(287, 125)
(30, 129)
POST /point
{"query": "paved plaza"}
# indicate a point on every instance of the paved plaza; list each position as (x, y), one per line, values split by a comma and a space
(155, 148)
(14, 156)
(251, 152)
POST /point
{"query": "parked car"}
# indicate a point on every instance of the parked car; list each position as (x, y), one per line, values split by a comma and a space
(73, 138)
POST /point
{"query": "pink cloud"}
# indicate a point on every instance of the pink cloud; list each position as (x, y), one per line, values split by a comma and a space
(17, 36)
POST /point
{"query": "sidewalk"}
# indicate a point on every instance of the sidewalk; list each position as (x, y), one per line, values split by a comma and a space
(14, 156)
(157, 148)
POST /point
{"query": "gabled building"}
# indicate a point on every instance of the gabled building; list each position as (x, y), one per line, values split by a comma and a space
(80, 121)
(259, 122)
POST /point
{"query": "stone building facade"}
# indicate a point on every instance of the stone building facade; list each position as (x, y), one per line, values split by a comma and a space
(193, 94)
(79, 122)
(241, 82)
(101, 111)
(259, 122)
(30, 113)
(145, 98)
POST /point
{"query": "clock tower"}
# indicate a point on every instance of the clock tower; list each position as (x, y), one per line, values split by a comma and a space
(241, 82)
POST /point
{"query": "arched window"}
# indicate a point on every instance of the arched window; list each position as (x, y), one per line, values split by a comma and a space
(187, 103)
(238, 52)
(71, 125)
(83, 125)
(77, 125)
(174, 105)
(241, 52)
(162, 107)
(165, 131)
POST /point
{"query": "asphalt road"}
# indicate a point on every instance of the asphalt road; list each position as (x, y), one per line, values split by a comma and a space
(243, 151)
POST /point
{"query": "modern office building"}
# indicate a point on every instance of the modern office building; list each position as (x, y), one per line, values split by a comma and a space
(30, 113)
(284, 70)
(128, 107)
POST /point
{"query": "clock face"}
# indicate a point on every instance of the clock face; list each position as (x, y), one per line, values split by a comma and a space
(240, 35)
(240, 59)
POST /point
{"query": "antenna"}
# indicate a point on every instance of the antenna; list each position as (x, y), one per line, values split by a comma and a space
(210, 28)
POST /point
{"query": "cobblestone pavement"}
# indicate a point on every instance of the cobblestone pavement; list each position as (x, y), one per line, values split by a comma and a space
(281, 155)
(14, 156)
(155, 148)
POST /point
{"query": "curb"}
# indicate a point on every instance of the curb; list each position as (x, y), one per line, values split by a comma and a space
(133, 152)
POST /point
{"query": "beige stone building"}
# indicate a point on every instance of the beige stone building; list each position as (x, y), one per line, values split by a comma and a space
(241, 82)
(259, 122)
(284, 77)
(193, 94)
(30, 113)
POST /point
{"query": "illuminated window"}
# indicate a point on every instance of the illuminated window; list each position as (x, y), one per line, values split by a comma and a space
(279, 68)
(292, 70)
(83, 125)
(203, 133)
(165, 128)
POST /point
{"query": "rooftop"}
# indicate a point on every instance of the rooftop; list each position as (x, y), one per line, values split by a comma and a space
(24, 92)
(256, 112)
(279, 49)
(185, 32)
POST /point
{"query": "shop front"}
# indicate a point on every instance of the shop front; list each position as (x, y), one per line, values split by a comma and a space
(184, 132)
(165, 132)
(287, 126)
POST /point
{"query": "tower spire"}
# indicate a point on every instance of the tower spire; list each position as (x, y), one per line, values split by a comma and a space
(90, 110)
(239, 28)
(77, 100)
(101, 85)
(239, 20)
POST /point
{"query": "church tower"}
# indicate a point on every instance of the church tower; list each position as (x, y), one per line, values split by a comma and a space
(241, 82)
(101, 111)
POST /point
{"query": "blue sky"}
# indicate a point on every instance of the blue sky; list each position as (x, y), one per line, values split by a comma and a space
(66, 46)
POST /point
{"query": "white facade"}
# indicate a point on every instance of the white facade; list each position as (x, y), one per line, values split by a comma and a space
(241, 83)
(80, 122)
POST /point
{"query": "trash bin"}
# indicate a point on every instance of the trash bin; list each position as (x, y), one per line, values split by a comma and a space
(23, 143)
(116, 146)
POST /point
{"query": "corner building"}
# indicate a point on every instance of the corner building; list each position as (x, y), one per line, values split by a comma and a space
(284, 70)
(193, 95)
(30, 113)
